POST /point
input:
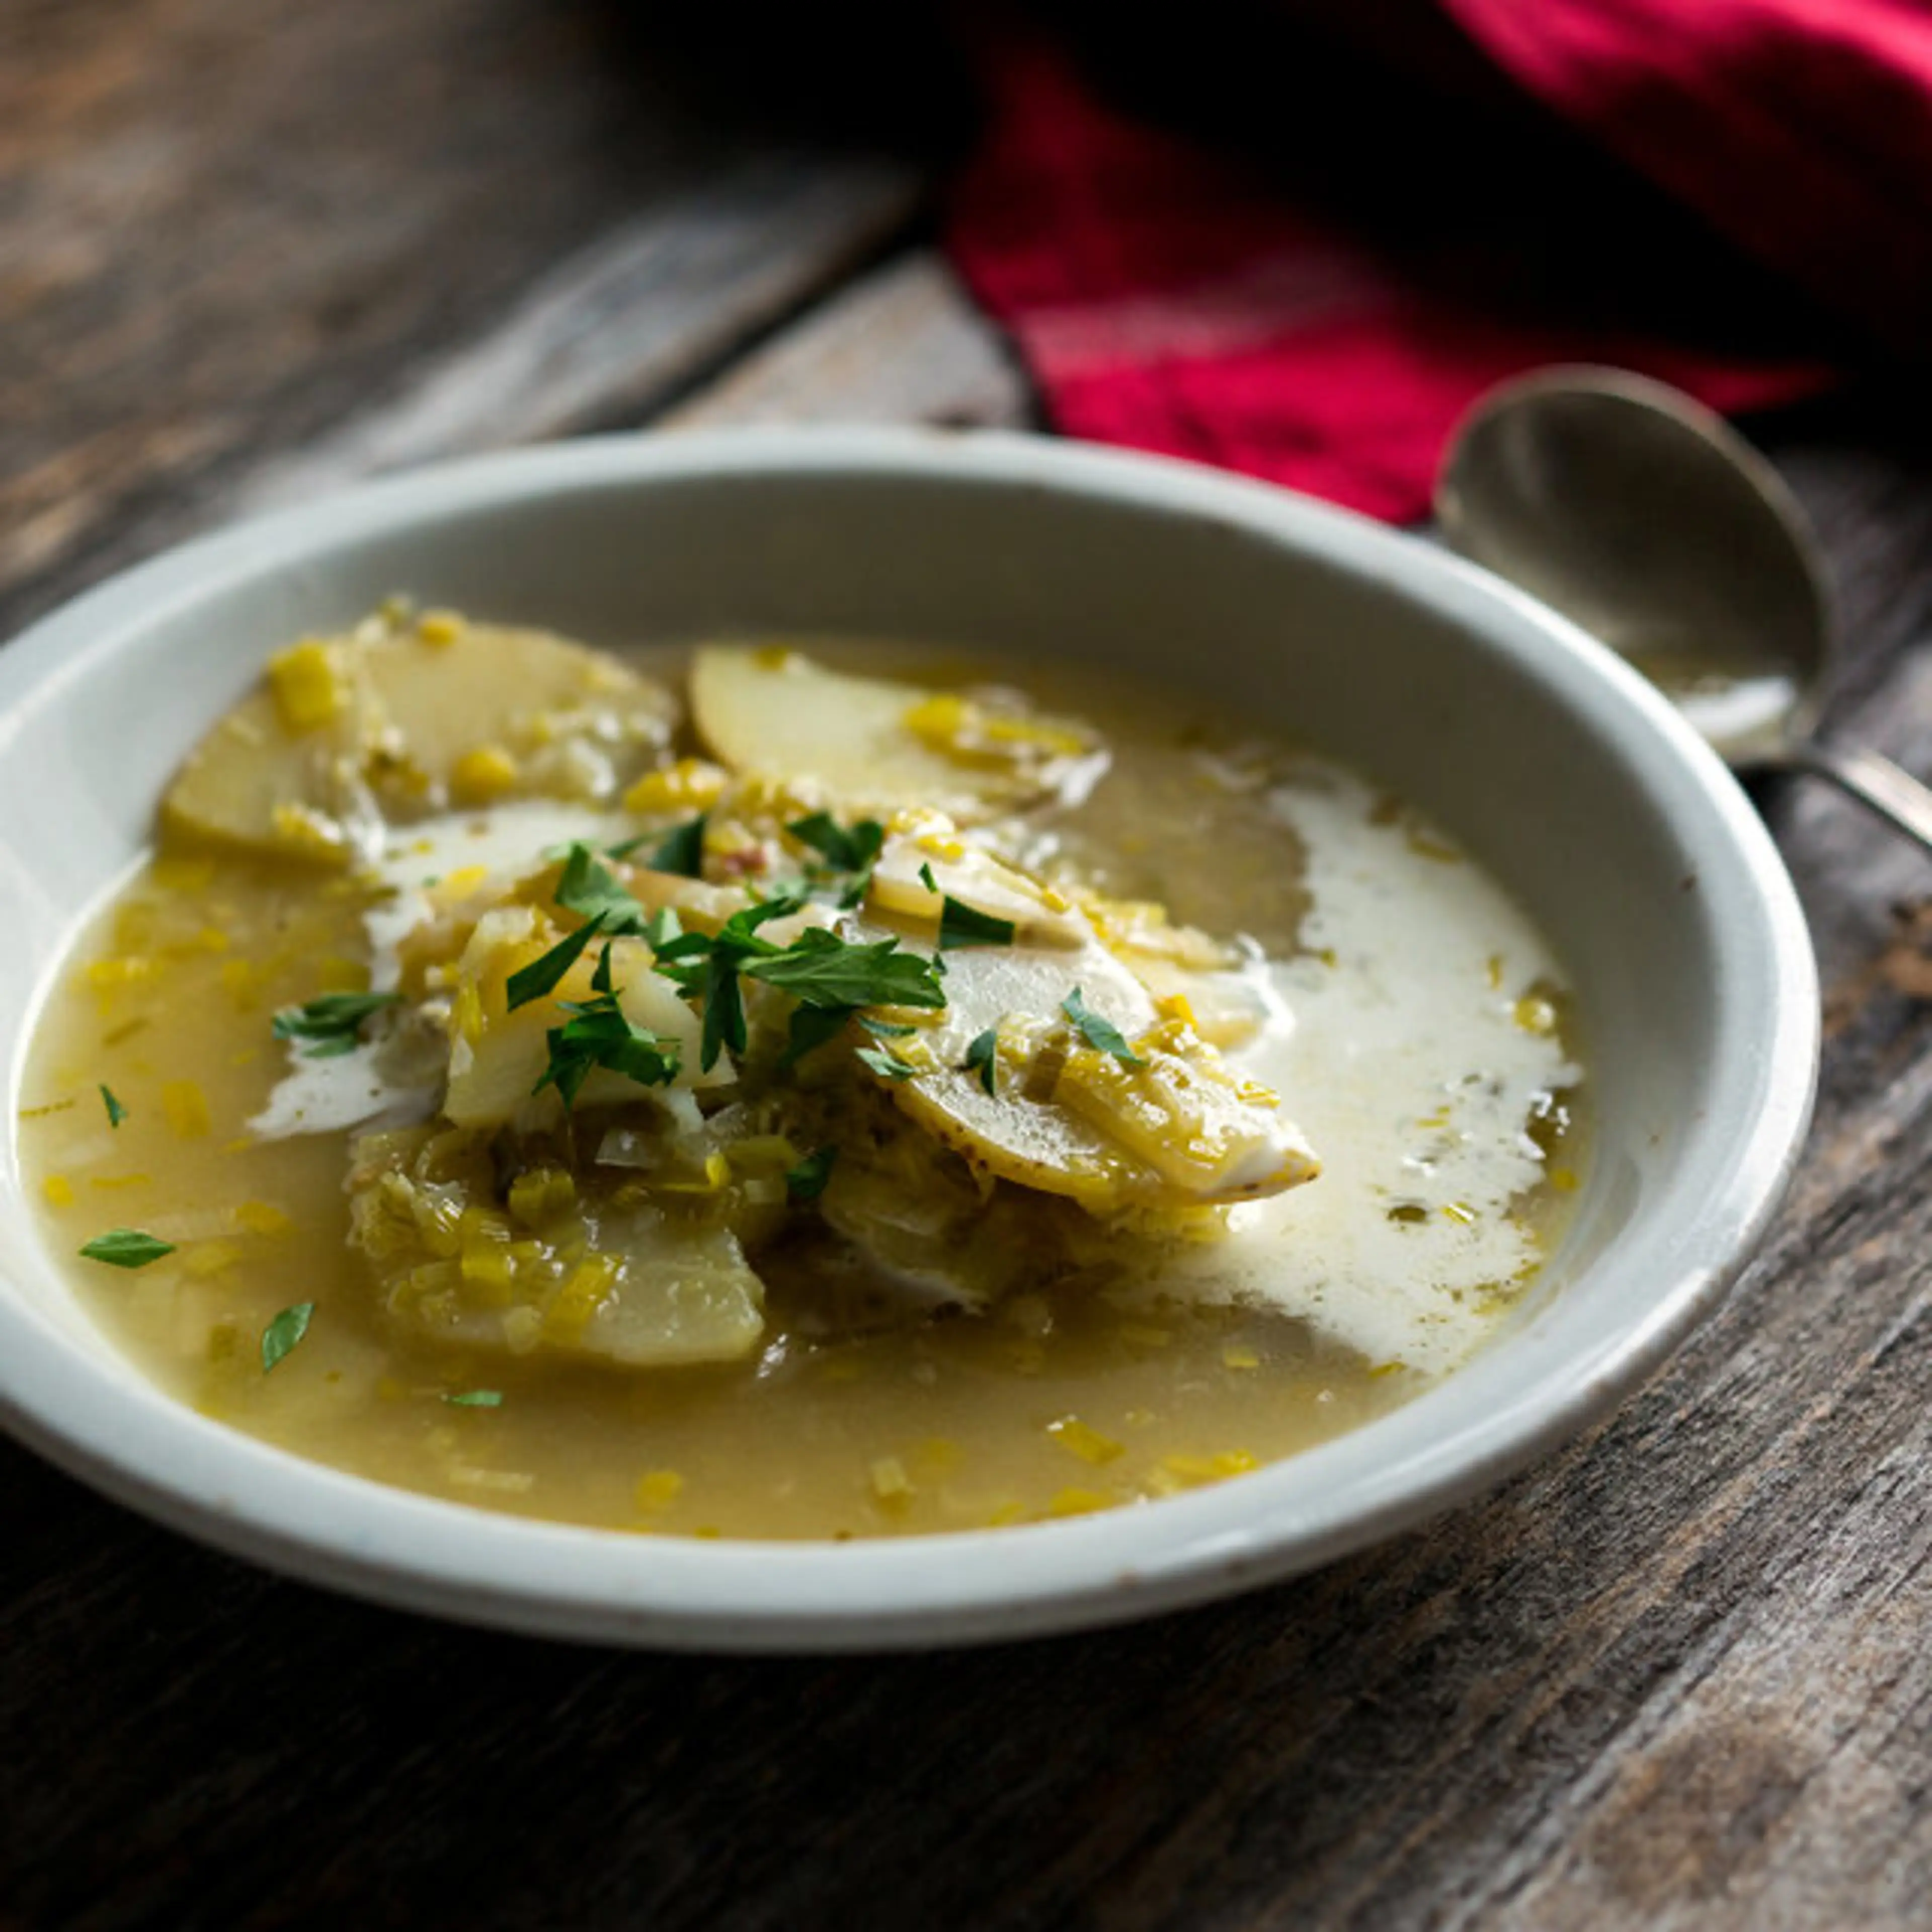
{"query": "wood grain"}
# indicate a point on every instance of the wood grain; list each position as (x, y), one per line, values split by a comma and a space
(1674, 1676)
(232, 231)
(901, 344)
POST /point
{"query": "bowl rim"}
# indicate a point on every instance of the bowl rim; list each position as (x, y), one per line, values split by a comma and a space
(353, 1533)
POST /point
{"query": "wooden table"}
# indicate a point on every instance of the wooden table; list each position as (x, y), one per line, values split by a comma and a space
(1677, 1675)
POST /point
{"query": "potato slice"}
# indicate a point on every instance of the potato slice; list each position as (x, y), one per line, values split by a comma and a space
(1182, 1130)
(605, 1275)
(389, 724)
(875, 742)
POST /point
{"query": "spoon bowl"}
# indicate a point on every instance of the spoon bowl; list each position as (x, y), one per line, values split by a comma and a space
(1635, 511)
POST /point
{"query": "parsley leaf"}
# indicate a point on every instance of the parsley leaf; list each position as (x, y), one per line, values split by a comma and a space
(925, 877)
(888, 1065)
(1097, 1033)
(333, 1022)
(590, 889)
(116, 1113)
(886, 1029)
(854, 851)
(126, 1248)
(284, 1332)
(960, 925)
(543, 975)
(599, 1033)
(811, 1027)
(822, 970)
(476, 1398)
(851, 854)
(982, 1057)
(681, 850)
(806, 1181)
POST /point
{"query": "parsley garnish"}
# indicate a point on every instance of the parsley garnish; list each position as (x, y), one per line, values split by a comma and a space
(542, 975)
(590, 889)
(126, 1248)
(116, 1113)
(681, 850)
(960, 925)
(925, 877)
(811, 1027)
(599, 1033)
(886, 1029)
(889, 1065)
(476, 1399)
(284, 1332)
(821, 971)
(806, 1181)
(982, 1057)
(706, 967)
(1098, 1033)
(334, 1021)
(850, 855)
(843, 851)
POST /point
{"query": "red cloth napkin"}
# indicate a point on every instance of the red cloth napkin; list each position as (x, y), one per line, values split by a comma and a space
(1171, 293)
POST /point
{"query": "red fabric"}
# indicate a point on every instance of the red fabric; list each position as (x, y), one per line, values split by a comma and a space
(1168, 296)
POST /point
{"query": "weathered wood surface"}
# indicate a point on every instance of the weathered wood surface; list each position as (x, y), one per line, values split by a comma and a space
(1674, 1676)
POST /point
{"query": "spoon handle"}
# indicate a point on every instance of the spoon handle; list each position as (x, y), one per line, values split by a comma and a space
(1894, 794)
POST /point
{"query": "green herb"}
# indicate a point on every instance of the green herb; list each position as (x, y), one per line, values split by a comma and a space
(853, 851)
(822, 970)
(476, 1399)
(982, 1057)
(543, 976)
(967, 925)
(1099, 1033)
(599, 1033)
(284, 1332)
(116, 1113)
(851, 855)
(126, 1248)
(600, 980)
(806, 1181)
(588, 888)
(925, 877)
(889, 1065)
(681, 850)
(886, 1029)
(333, 1022)
(811, 1027)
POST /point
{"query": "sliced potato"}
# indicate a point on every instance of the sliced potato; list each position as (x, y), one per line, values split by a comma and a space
(348, 733)
(1181, 1130)
(875, 742)
(926, 846)
(583, 1270)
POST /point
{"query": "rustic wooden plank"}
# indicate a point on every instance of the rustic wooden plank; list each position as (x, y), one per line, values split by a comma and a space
(231, 230)
(606, 335)
(902, 344)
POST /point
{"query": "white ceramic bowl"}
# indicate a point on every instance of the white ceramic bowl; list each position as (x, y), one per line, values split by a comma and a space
(1568, 775)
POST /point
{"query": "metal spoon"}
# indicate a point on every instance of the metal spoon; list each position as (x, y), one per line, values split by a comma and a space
(1626, 505)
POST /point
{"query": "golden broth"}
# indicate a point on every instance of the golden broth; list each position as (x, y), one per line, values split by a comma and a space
(1053, 1404)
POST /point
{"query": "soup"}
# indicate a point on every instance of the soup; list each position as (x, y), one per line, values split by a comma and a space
(790, 1090)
